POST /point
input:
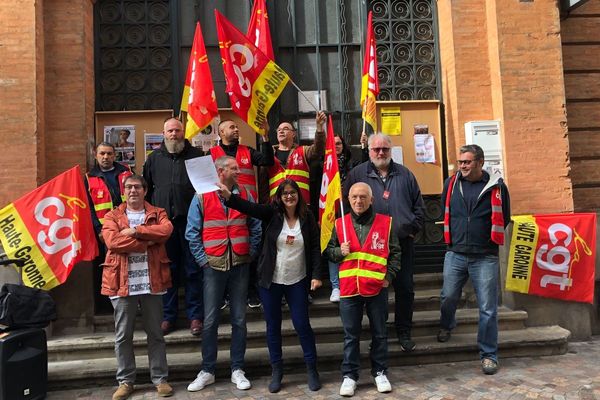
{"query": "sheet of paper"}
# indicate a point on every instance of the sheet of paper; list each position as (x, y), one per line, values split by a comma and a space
(397, 155)
(391, 121)
(202, 174)
(424, 148)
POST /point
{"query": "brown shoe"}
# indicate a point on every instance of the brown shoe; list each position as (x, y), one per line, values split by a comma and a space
(123, 392)
(164, 389)
(196, 327)
(167, 327)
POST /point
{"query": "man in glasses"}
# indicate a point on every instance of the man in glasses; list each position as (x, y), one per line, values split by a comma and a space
(291, 160)
(395, 193)
(477, 210)
(136, 276)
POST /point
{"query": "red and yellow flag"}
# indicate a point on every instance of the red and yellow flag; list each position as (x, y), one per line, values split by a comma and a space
(553, 256)
(198, 99)
(331, 188)
(258, 29)
(370, 82)
(253, 81)
(50, 230)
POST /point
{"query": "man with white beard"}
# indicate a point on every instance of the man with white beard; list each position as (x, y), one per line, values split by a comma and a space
(169, 187)
(395, 193)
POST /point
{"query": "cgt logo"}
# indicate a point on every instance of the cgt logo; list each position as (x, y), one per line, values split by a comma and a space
(56, 233)
(558, 259)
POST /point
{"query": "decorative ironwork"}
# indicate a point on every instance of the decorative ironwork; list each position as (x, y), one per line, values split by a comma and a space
(406, 49)
(134, 62)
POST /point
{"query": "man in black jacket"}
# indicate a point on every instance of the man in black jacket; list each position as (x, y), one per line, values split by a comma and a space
(477, 210)
(169, 187)
(395, 193)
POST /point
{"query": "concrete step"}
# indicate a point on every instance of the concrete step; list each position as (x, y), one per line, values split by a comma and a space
(328, 329)
(535, 341)
(426, 299)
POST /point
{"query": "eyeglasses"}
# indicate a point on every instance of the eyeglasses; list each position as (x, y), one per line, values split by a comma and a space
(464, 162)
(136, 187)
(285, 129)
(380, 149)
(289, 194)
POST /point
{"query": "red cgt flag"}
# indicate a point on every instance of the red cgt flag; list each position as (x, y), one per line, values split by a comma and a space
(198, 99)
(553, 255)
(253, 81)
(258, 28)
(50, 229)
(331, 188)
(370, 82)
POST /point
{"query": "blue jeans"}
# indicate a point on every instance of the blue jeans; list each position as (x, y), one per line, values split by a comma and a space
(183, 268)
(296, 296)
(351, 312)
(483, 270)
(216, 283)
(404, 292)
(334, 270)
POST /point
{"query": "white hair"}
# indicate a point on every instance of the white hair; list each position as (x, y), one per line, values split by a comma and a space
(381, 136)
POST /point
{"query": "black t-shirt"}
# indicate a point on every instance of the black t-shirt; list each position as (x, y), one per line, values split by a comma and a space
(282, 156)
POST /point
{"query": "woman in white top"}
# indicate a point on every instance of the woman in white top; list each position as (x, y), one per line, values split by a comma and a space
(290, 262)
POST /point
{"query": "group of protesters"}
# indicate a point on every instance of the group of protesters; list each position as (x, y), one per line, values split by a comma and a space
(239, 243)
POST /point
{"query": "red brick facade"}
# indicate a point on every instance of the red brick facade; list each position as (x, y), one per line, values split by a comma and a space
(503, 60)
(46, 91)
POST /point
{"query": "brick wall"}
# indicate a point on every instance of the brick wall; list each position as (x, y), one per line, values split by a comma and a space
(69, 44)
(47, 114)
(21, 113)
(46, 91)
(505, 61)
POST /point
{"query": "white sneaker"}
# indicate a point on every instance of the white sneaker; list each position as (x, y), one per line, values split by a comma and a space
(383, 385)
(203, 379)
(348, 387)
(335, 296)
(239, 378)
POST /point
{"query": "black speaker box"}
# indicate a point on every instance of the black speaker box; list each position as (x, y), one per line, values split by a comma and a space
(23, 365)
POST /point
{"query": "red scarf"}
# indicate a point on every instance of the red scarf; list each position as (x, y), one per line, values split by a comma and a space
(497, 234)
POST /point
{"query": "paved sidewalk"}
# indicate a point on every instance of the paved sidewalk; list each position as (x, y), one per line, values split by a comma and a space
(574, 376)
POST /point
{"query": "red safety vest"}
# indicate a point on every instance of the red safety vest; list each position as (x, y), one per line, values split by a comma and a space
(219, 229)
(247, 178)
(363, 270)
(101, 195)
(297, 170)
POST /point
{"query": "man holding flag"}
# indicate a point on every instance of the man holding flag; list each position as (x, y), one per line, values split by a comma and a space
(291, 160)
(369, 256)
(395, 193)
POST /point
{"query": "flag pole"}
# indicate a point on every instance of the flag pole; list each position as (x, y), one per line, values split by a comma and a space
(303, 95)
(362, 145)
(343, 220)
